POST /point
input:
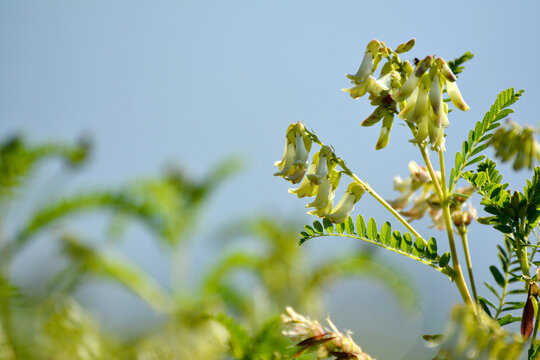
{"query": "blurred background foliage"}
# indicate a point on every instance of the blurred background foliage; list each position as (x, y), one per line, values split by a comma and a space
(232, 313)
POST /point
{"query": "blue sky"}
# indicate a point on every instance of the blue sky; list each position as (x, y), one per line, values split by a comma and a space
(197, 81)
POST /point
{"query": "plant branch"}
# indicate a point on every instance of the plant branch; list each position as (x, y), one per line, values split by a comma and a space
(464, 241)
(443, 197)
(383, 202)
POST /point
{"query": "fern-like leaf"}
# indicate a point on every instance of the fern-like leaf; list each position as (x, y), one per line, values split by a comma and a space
(403, 244)
(478, 137)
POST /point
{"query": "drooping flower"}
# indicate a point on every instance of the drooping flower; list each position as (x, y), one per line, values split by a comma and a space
(369, 63)
(306, 187)
(516, 141)
(293, 165)
(412, 81)
(345, 206)
(323, 165)
(422, 104)
(324, 200)
(419, 183)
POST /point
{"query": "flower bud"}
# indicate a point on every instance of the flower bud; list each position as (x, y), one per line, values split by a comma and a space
(406, 46)
(323, 162)
(375, 117)
(407, 67)
(423, 66)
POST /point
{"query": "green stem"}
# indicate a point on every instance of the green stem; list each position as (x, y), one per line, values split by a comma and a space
(504, 291)
(464, 241)
(432, 174)
(462, 232)
(521, 253)
(443, 197)
(383, 202)
(370, 191)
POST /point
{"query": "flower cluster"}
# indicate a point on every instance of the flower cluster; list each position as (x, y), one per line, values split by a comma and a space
(416, 91)
(321, 177)
(327, 342)
(514, 140)
(428, 200)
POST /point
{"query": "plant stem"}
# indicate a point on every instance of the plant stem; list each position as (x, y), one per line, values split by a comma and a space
(464, 241)
(462, 232)
(383, 202)
(432, 174)
(521, 253)
(445, 206)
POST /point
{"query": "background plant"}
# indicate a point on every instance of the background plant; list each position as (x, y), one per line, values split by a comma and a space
(217, 319)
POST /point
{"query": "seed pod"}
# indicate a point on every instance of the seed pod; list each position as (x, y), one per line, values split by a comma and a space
(527, 319)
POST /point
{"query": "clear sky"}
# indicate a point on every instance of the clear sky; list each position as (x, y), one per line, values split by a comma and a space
(198, 81)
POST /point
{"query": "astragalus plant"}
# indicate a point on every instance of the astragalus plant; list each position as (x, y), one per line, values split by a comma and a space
(423, 94)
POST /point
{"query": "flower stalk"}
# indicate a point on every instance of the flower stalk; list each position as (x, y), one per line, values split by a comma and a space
(445, 205)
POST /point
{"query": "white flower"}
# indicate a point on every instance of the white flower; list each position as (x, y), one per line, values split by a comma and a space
(323, 162)
(345, 206)
(293, 165)
(412, 81)
(306, 188)
(455, 95)
(324, 201)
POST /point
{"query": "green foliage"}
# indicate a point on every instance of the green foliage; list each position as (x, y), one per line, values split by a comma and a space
(88, 261)
(505, 278)
(456, 65)
(262, 345)
(482, 132)
(282, 271)
(168, 206)
(512, 213)
(475, 336)
(18, 159)
(417, 249)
